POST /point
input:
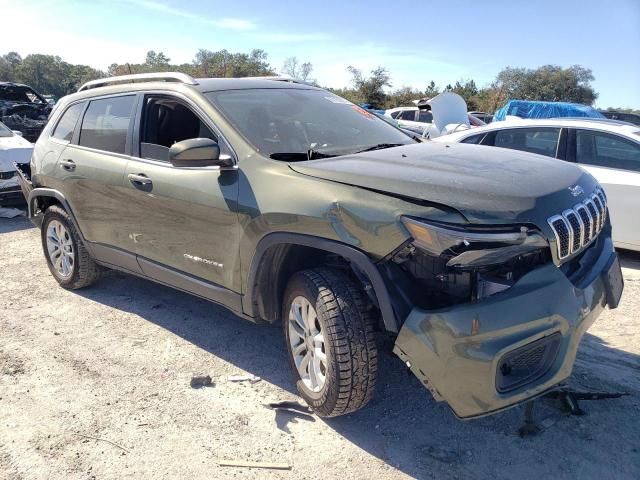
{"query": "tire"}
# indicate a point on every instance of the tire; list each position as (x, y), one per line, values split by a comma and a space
(344, 320)
(82, 270)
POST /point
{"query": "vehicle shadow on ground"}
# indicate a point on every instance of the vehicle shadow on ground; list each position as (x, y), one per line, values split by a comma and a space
(16, 224)
(403, 426)
(630, 260)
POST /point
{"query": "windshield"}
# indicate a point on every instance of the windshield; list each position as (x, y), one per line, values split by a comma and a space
(294, 124)
(5, 131)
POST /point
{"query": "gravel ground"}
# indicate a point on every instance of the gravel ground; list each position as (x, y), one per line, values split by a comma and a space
(114, 361)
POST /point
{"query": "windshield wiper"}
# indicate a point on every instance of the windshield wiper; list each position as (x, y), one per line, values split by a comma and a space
(299, 156)
(379, 146)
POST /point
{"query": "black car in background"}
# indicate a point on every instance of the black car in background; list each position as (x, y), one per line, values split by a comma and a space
(622, 116)
(23, 109)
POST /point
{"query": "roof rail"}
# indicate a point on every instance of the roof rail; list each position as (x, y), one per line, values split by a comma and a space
(141, 77)
(280, 78)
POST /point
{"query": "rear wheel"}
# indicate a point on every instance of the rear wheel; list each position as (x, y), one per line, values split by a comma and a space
(330, 338)
(67, 258)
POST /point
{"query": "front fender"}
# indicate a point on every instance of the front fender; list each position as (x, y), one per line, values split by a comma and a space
(353, 255)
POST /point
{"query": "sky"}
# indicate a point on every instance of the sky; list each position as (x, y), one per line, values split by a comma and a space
(417, 41)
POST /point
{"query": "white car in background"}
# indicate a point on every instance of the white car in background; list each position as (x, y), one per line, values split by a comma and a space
(411, 118)
(13, 148)
(608, 149)
(448, 111)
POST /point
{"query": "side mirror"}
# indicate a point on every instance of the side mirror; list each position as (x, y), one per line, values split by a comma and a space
(17, 132)
(198, 152)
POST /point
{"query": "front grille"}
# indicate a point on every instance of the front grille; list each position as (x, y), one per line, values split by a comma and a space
(576, 227)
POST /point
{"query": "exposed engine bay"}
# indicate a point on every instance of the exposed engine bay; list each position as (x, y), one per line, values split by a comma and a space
(23, 109)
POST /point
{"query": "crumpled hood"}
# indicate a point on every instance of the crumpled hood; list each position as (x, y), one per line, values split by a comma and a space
(485, 184)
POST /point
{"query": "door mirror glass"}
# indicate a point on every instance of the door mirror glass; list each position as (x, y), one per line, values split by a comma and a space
(197, 152)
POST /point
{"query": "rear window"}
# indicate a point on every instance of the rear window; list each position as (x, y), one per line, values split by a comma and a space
(67, 123)
(106, 123)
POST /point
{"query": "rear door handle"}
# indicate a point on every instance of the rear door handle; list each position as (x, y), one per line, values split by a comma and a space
(139, 179)
(68, 164)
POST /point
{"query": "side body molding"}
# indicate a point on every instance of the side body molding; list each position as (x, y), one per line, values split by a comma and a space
(356, 257)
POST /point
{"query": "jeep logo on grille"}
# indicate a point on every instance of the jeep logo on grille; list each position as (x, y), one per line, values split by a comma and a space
(576, 190)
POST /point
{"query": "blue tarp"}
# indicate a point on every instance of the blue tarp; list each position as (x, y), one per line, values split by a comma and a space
(530, 109)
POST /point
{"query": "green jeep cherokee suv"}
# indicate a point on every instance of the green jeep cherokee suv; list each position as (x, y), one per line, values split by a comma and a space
(286, 203)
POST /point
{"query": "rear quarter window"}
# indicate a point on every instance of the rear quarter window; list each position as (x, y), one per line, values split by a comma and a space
(67, 123)
(106, 123)
(474, 139)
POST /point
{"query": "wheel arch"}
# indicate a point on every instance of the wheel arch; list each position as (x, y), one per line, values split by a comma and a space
(43, 198)
(279, 255)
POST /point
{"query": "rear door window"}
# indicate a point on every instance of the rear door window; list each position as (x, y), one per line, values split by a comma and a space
(425, 116)
(106, 124)
(408, 115)
(607, 150)
(67, 123)
(543, 141)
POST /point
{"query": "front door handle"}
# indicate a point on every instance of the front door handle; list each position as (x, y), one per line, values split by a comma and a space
(139, 179)
(68, 164)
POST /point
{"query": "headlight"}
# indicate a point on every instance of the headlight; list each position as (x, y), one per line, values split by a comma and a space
(466, 248)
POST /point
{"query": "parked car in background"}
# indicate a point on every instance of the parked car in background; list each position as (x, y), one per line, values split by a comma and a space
(13, 148)
(371, 108)
(23, 109)
(607, 149)
(482, 116)
(622, 116)
(290, 205)
(411, 118)
(51, 100)
(537, 109)
(418, 119)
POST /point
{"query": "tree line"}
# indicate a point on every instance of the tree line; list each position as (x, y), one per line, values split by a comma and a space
(51, 75)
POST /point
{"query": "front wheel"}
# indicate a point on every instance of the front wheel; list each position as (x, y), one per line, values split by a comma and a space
(329, 333)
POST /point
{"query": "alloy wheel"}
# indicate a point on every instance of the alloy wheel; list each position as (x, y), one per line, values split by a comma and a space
(307, 343)
(60, 248)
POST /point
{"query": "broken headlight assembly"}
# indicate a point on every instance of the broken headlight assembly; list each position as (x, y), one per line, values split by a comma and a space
(456, 264)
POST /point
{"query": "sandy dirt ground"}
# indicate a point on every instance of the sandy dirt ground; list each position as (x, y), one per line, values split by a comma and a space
(94, 384)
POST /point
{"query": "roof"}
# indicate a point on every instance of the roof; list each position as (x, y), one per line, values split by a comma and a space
(603, 124)
(213, 84)
(201, 84)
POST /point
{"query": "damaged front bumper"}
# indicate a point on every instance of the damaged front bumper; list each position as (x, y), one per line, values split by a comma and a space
(490, 355)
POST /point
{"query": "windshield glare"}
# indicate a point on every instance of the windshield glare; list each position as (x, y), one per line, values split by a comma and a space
(277, 121)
